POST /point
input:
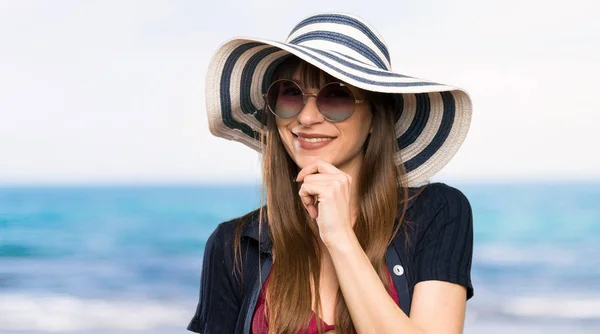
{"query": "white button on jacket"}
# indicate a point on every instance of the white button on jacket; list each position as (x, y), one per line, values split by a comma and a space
(398, 270)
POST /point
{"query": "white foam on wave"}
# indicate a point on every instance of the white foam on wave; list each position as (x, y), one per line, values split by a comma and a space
(582, 308)
(506, 255)
(62, 313)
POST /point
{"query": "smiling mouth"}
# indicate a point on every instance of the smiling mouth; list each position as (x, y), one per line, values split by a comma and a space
(312, 140)
(304, 143)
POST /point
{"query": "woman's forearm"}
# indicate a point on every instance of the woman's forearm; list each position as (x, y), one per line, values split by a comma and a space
(371, 307)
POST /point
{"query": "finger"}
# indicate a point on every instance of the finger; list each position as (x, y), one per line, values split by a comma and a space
(308, 190)
(328, 184)
(317, 178)
(309, 199)
(313, 210)
(331, 185)
(310, 204)
(310, 194)
(341, 181)
(318, 166)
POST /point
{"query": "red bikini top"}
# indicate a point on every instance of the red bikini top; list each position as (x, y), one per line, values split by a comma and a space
(260, 323)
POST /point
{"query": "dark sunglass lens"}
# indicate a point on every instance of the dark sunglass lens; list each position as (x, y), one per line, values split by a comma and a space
(285, 98)
(336, 102)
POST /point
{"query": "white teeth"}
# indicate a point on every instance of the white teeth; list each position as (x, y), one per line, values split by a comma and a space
(314, 140)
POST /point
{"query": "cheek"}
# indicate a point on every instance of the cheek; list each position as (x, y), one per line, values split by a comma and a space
(361, 126)
(281, 126)
(285, 135)
(353, 136)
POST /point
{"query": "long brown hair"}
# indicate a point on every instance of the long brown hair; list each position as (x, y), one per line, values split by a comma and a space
(383, 198)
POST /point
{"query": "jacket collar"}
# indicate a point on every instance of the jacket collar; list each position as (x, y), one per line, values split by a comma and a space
(250, 229)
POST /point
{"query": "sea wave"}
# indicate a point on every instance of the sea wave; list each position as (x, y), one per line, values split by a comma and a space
(542, 254)
(65, 313)
(15, 251)
(563, 308)
(554, 307)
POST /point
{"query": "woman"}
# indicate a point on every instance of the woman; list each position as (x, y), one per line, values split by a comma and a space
(353, 237)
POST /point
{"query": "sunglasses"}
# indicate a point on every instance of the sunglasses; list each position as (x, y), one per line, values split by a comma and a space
(335, 101)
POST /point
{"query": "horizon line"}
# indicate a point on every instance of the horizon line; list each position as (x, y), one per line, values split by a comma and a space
(256, 183)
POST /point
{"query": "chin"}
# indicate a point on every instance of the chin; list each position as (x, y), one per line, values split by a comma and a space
(303, 160)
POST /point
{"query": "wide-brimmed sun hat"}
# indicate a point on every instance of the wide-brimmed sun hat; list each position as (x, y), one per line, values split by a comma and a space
(432, 119)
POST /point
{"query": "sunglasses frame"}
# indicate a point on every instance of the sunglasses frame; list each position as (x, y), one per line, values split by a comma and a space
(305, 97)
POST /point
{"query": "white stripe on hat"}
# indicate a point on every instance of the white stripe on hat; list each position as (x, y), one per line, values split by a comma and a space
(439, 159)
(363, 76)
(364, 22)
(327, 45)
(258, 77)
(234, 88)
(409, 110)
(431, 127)
(348, 30)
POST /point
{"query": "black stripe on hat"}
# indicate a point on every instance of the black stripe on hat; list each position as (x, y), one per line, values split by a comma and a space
(225, 98)
(246, 80)
(341, 54)
(399, 106)
(368, 70)
(358, 78)
(349, 21)
(344, 40)
(440, 137)
(418, 122)
(267, 81)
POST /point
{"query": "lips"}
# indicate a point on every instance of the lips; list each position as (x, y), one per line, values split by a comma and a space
(312, 135)
(314, 140)
(311, 143)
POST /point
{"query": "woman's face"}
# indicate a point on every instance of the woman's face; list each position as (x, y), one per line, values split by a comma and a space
(343, 148)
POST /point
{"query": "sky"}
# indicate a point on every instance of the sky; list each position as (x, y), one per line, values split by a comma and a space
(113, 91)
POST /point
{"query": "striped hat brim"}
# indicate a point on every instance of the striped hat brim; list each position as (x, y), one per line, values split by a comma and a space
(431, 123)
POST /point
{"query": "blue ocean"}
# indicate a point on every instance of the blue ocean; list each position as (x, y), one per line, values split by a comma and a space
(126, 259)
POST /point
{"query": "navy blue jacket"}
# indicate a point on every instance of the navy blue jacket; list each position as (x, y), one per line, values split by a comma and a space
(439, 247)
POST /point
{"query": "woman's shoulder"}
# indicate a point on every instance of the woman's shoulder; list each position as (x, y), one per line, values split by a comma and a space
(228, 226)
(436, 197)
(438, 209)
(243, 226)
(442, 236)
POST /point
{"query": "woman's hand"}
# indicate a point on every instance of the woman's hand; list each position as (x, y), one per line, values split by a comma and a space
(326, 193)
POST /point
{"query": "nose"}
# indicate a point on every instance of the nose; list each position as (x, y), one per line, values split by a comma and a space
(310, 114)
